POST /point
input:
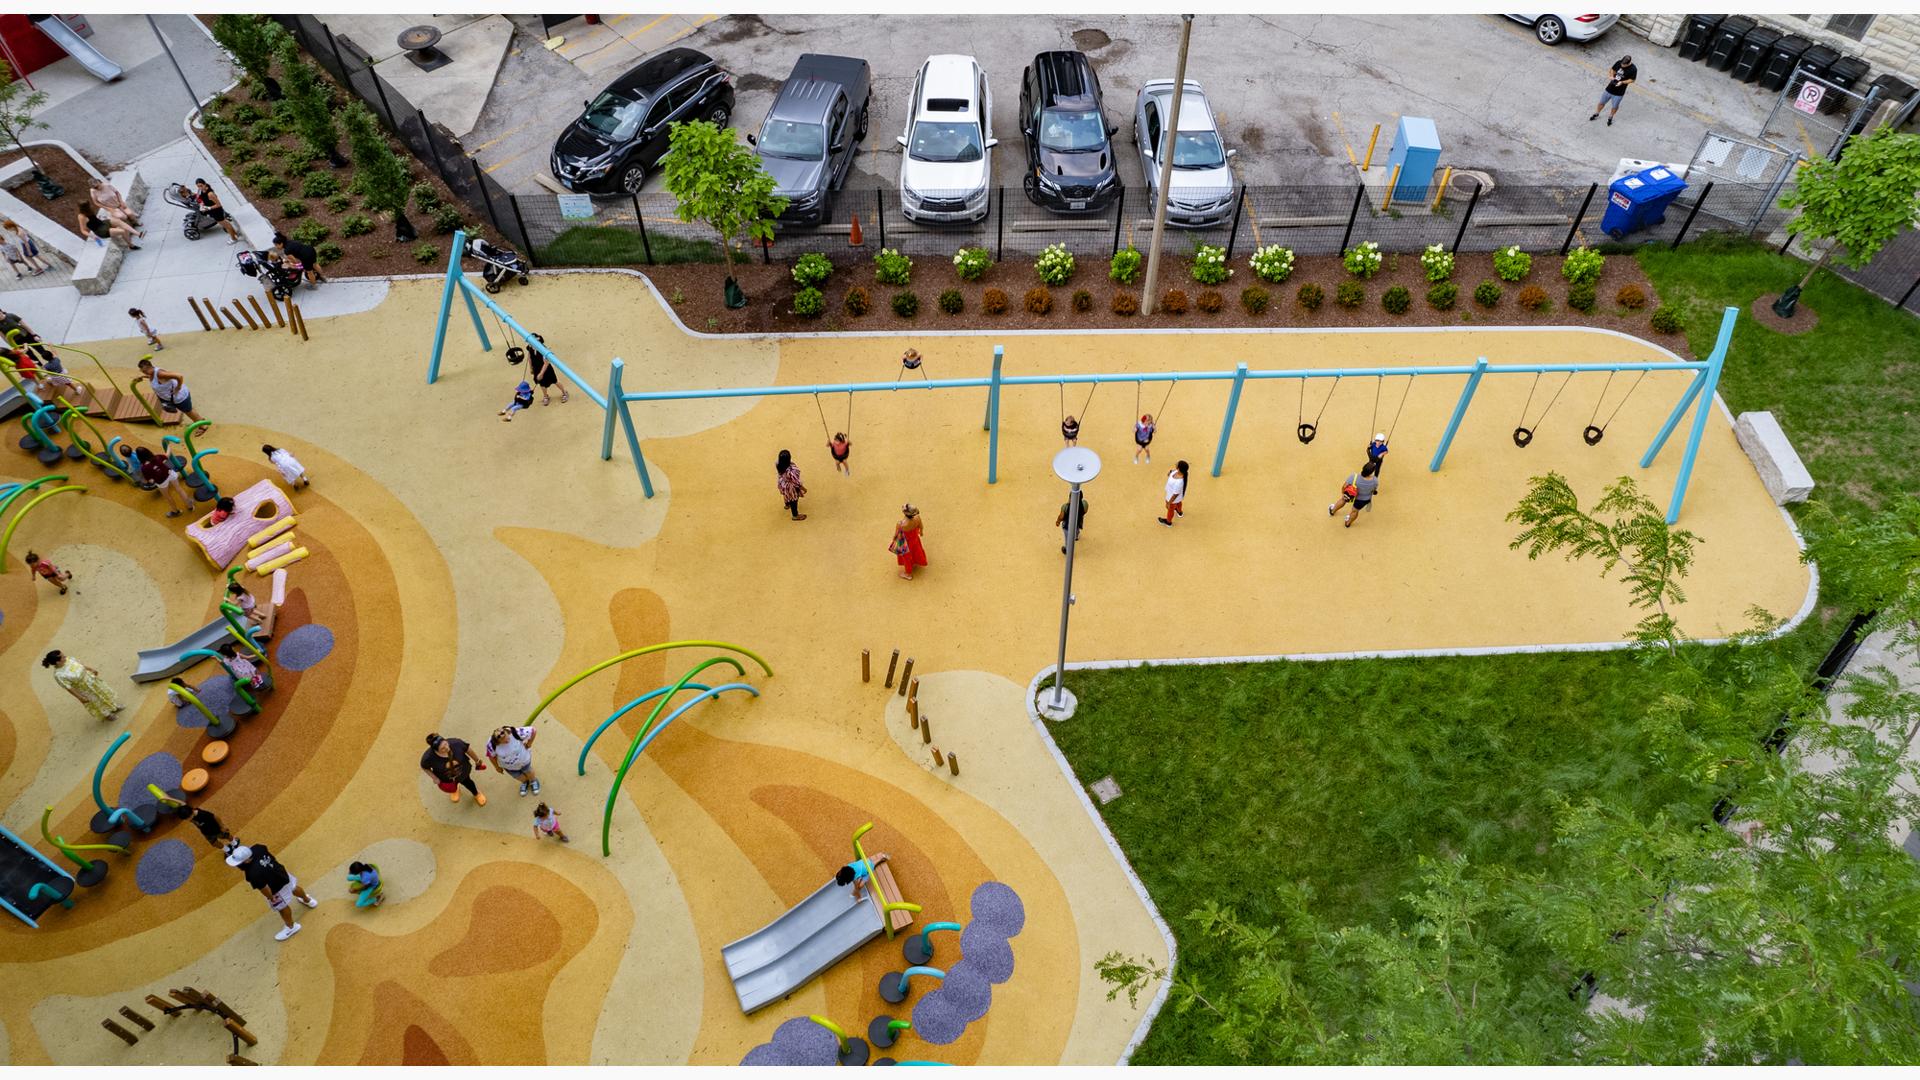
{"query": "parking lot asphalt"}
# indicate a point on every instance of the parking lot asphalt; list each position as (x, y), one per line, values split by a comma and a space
(1295, 94)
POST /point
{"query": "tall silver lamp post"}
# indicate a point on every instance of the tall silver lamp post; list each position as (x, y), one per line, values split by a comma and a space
(1076, 465)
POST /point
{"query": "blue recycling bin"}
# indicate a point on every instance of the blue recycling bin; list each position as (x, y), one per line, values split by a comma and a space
(1640, 200)
(1416, 150)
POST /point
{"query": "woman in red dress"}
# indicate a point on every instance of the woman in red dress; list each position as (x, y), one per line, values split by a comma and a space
(906, 546)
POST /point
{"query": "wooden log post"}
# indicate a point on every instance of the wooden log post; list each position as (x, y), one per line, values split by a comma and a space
(218, 324)
(866, 665)
(953, 764)
(260, 311)
(197, 313)
(926, 729)
(937, 759)
(301, 319)
(913, 713)
(126, 1036)
(913, 692)
(241, 307)
(895, 659)
(905, 674)
(144, 1023)
(166, 1007)
(241, 1033)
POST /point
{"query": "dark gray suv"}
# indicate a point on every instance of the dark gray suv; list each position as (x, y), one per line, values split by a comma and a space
(807, 141)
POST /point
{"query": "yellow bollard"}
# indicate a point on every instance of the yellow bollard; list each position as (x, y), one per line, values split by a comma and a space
(1367, 164)
(1392, 182)
(1441, 197)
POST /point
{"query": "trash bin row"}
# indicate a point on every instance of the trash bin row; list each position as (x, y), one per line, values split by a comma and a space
(1752, 53)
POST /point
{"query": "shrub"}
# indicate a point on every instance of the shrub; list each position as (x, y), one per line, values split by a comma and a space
(809, 303)
(891, 268)
(1631, 297)
(1254, 299)
(256, 174)
(812, 269)
(1125, 303)
(319, 185)
(1582, 266)
(1055, 264)
(239, 155)
(858, 301)
(1350, 294)
(1082, 300)
(1581, 297)
(302, 158)
(1362, 260)
(1174, 303)
(245, 113)
(329, 252)
(1126, 265)
(1486, 294)
(952, 302)
(265, 130)
(296, 169)
(1442, 295)
(1666, 320)
(1039, 300)
(993, 302)
(356, 225)
(971, 263)
(1210, 265)
(425, 197)
(224, 133)
(272, 150)
(292, 208)
(311, 233)
(1396, 300)
(339, 203)
(1533, 298)
(1310, 296)
(426, 253)
(1511, 263)
(1437, 261)
(906, 303)
(1273, 263)
(446, 218)
(1209, 301)
(272, 187)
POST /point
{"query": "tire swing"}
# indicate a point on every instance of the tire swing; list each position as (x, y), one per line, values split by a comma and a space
(516, 354)
(1593, 434)
(1523, 434)
(1305, 432)
(1404, 394)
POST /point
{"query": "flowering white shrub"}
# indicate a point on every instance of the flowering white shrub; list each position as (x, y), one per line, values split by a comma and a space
(1362, 260)
(1273, 262)
(1210, 265)
(1055, 264)
(1438, 262)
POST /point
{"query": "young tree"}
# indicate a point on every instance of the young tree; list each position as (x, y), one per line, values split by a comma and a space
(17, 106)
(310, 103)
(378, 173)
(1855, 204)
(721, 182)
(1635, 536)
(251, 39)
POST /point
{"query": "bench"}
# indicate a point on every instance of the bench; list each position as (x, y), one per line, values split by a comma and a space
(96, 267)
(1786, 478)
(888, 892)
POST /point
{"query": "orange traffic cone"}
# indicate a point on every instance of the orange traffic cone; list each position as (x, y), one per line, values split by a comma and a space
(853, 238)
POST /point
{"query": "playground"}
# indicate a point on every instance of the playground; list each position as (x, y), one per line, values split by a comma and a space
(461, 570)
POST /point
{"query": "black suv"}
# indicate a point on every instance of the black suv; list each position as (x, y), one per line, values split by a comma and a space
(1071, 166)
(807, 142)
(624, 131)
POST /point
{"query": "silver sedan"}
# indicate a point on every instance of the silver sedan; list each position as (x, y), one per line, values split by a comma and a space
(1201, 191)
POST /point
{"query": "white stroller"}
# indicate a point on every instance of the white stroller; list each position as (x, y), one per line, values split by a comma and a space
(497, 263)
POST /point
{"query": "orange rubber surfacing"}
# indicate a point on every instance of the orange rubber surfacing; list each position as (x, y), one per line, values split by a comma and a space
(466, 567)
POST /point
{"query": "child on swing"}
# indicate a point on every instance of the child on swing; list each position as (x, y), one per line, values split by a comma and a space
(1070, 431)
(841, 448)
(522, 398)
(910, 361)
(1143, 438)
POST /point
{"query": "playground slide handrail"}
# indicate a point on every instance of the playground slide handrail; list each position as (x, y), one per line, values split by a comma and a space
(629, 655)
(581, 767)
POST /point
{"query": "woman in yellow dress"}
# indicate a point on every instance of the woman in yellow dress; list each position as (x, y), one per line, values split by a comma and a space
(84, 683)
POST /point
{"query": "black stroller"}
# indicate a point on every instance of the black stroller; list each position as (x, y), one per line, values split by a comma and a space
(196, 220)
(279, 279)
(497, 263)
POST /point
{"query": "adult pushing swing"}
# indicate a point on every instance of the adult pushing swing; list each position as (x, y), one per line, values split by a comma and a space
(1593, 434)
(1523, 434)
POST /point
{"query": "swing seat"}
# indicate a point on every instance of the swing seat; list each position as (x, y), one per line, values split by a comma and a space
(1306, 432)
(515, 354)
(1522, 436)
(1593, 435)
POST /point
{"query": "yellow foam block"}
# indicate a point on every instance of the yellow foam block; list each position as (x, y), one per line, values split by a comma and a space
(288, 559)
(272, 531)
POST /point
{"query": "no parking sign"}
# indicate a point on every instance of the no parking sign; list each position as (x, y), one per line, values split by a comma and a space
(1808, 100)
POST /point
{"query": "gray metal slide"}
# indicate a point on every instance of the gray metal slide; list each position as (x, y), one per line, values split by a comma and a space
(166, 662)
(790, 951)
(77, 47)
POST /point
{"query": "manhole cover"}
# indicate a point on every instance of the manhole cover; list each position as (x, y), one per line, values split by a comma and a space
(1466, 181)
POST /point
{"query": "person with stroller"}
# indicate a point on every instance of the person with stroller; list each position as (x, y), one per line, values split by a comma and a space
(303, 254)
(209, 205)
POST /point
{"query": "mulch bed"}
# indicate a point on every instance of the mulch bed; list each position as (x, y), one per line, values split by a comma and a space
(695, 294)
(66, 172)
(1804, 317)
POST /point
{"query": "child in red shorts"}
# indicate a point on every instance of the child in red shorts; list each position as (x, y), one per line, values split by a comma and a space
(46, 569)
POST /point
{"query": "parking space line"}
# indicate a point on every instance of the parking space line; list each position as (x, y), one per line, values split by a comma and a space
(1351, 159)
(657, 20)
(508, 160)
(497, 138)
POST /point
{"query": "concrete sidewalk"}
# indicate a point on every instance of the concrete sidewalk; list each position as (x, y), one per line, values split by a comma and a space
(116, 122)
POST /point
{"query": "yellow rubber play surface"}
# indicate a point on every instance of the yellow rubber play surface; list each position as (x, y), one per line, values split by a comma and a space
(462, 567)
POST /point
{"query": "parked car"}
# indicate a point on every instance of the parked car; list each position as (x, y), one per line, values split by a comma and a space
(949, 142)
(1554, 29)
(1200, 190)
(1071, 167)
(623, 133)
(807, 141)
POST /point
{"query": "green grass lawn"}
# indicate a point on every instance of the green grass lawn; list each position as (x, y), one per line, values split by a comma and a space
(599, 245)
(1339, 775)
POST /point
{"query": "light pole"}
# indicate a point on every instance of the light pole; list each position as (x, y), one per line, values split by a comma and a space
(1076, 465)
(1165, 163)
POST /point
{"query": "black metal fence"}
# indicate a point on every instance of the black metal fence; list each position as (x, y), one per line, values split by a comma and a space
(1894, 274)
(434, 146)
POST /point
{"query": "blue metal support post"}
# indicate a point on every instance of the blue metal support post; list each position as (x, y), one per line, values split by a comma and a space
(993, 418)
(1459, 414)
(1708, 384)
(446, 305)
(1226, 425)
(473, 310)
(1673, 418)
(613, 395)
(633, 439)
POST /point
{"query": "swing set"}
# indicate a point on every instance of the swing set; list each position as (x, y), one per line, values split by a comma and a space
(615, 402)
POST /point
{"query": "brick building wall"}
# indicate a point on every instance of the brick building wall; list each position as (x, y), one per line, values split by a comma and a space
(1891, 42)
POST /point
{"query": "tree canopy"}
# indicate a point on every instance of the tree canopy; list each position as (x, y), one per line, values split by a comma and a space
(1864, 199)
(720, 182)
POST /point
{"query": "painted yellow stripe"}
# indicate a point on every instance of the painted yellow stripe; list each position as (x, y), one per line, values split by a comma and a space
(509, 159)
(496, 139)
